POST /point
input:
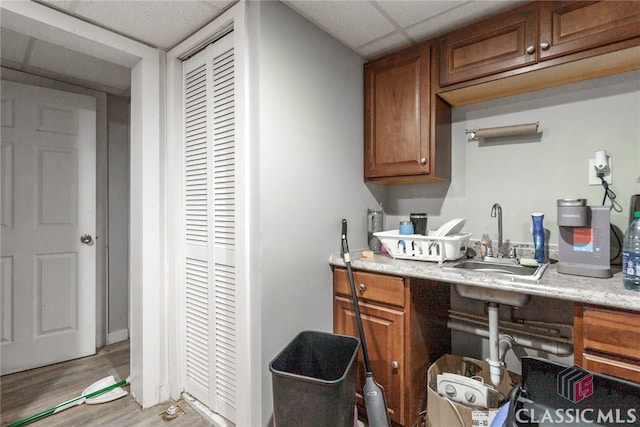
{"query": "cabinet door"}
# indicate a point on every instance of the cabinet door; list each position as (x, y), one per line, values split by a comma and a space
(568, 27)
(607, 341)
(396, 133)
(383, 331)
(489, 47)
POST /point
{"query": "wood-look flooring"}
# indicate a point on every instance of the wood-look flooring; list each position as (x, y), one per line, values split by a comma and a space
(24, 394)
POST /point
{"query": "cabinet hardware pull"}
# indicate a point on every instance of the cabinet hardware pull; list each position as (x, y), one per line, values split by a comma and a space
(423, 161)
(544, 45)
(531, 49)
(394, 364)
(362, 287)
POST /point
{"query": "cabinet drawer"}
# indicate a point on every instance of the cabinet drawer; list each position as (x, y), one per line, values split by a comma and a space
(610, 366)
(370, 287)
(613, 332)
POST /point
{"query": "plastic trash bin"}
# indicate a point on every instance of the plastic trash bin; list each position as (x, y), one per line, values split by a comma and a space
(314, 381)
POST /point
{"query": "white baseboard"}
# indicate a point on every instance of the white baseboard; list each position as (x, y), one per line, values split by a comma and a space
(117, 336)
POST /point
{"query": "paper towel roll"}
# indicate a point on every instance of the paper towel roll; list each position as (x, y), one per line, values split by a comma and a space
(507, 130)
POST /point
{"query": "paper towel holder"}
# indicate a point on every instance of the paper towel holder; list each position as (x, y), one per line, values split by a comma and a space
(500, 131)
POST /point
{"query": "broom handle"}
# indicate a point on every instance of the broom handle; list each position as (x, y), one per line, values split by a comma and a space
(356, 307)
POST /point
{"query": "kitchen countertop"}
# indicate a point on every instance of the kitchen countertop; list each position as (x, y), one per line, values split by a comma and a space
(604, 292)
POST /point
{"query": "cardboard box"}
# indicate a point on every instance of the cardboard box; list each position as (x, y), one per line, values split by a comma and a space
(441, 412)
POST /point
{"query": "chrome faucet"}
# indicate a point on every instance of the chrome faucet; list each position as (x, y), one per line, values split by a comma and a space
(496, 210)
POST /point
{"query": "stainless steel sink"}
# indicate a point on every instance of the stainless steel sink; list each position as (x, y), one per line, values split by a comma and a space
(519, 271)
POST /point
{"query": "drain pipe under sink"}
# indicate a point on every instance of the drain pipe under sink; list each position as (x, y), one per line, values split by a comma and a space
(494, 360)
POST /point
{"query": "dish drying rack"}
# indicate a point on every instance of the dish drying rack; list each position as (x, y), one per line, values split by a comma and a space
(424, 248)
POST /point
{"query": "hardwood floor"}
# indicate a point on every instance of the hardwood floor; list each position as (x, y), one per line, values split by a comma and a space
(24, 394)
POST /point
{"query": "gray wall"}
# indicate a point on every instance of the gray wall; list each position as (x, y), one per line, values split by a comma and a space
(310, 114)
(530, 174)
(118, 247)
(310, 142)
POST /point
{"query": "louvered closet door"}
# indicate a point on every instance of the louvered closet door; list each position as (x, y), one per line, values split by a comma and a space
(209, 289)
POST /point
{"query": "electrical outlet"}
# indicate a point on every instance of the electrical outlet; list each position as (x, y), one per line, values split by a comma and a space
(593, 177)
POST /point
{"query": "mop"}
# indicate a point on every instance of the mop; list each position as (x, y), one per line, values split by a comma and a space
(102, 391)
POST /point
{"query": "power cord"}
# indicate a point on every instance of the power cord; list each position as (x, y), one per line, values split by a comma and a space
(608, 192)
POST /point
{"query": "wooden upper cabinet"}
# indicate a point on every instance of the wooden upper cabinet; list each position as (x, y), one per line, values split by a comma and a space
(403, 119)
(537, 35)
(568, 27)
(491, 46)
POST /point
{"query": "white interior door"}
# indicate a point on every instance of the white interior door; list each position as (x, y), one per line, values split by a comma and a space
(47, 293)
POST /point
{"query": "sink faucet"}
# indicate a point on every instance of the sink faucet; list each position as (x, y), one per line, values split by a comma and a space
(496, 210)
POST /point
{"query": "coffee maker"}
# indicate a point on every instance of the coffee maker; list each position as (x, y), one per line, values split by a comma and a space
(583, 247)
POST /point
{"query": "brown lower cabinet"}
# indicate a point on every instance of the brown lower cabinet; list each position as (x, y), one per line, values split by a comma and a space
(607, 341)
(404, 322)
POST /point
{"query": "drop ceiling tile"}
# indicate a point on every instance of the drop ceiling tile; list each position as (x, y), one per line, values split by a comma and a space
(354, 23)
(457, 17)
(161, 24)
(406, 12)
(59, 60)
(384, 45)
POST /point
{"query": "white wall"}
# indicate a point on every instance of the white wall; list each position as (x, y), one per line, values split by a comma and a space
(311, 136)
(530, 175)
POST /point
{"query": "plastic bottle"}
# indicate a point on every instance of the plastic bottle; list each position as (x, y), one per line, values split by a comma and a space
(538, 236)
(631, 255)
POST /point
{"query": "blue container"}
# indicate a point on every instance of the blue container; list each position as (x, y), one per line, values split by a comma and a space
(538, 237)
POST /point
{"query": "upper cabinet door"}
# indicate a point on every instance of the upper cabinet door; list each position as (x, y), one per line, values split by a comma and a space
(491, 46)
(397, 91)
(568, 27)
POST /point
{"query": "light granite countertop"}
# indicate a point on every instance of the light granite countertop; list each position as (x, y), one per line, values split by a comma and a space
(605, 292)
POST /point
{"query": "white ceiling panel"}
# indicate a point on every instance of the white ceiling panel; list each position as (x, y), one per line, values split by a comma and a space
(354, 23)
(393, 41)
(408, 13)
(161, 24)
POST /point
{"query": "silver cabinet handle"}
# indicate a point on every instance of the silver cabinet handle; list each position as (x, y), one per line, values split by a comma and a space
(394, 364)
(86, 239)
(531, 49)
(362, 287)
(423, 161)
(545, 45)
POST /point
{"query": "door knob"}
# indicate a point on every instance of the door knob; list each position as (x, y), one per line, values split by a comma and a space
(544, 45)
(531, 49)
(86, 239)
(395, 364)
(423, 161)
(362, 287)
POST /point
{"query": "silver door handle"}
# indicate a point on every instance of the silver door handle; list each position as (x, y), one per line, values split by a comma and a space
(86, 239)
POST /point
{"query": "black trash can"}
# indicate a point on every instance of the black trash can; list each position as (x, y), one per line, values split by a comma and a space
(314, 381)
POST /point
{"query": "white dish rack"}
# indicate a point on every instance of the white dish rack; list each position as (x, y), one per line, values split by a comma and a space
(424, 248)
